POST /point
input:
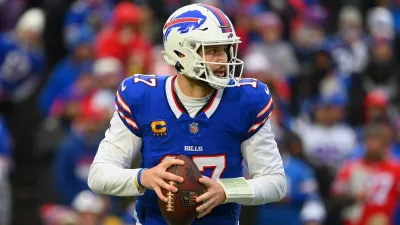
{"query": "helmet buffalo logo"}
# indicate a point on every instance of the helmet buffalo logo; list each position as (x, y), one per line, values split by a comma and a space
(190, 20)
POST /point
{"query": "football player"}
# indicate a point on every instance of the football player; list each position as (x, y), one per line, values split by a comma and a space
(368, 188)
(204, 112)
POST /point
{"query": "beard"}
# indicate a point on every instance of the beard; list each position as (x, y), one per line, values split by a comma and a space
(198, 82)
(220, 71)
(374, 157)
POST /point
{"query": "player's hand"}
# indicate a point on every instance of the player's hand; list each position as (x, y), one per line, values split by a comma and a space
(156, 177)
(214, 196)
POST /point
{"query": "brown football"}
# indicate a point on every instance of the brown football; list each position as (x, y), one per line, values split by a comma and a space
(180, 209)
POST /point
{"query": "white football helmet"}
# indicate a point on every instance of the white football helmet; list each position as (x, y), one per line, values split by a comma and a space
(193, 27)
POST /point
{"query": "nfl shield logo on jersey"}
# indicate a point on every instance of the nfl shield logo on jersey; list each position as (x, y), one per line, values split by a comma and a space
(194, 128)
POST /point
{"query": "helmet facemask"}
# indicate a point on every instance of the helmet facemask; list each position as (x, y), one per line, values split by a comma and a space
(194, 65)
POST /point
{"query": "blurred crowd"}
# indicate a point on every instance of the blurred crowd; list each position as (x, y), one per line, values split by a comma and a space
(331, 66)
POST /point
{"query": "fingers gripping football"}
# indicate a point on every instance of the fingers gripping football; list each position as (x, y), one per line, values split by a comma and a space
(157, 178)
(181, 205)
(214, 196)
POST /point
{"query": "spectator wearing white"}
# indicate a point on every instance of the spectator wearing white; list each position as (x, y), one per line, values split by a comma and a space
(109, 72)
(380, 23)
(328, 141)
(92, 209)
(29, 28)
(89, 207)
(257, 66)
(349, 49)
(22, 61)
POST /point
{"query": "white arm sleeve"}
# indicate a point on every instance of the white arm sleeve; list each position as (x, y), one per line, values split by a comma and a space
(110, 171)
(266, 173)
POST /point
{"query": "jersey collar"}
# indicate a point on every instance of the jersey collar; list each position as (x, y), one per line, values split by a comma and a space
(177, 107)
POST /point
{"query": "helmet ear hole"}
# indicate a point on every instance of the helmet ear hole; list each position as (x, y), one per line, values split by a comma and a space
(179, 54)
(178, 66)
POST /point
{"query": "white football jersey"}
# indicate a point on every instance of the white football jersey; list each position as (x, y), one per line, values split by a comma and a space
(328, 145)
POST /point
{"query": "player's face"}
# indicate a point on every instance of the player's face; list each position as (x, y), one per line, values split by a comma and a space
(326, 114)
(218, 54)
(375, 147)
(84, 52)
(375, 112)
(296, 149)
(271, 34)
(109, 81)
(382, 51)
(29, 37)
(126, 33)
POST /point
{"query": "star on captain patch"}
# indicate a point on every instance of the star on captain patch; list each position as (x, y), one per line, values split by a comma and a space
(194, 128)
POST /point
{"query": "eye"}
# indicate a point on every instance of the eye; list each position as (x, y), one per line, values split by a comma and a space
(211, 51)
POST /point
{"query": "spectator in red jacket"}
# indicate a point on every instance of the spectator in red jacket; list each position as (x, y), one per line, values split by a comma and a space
(123, 39)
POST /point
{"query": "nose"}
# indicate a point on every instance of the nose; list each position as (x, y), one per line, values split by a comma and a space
(222, 57)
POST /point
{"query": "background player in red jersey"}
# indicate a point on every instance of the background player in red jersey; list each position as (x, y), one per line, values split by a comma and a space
(369, 188)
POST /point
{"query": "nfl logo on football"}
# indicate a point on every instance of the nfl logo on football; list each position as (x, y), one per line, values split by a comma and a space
(189, 198)
(194, 128)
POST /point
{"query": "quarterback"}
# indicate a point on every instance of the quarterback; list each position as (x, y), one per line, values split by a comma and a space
(206, 112)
